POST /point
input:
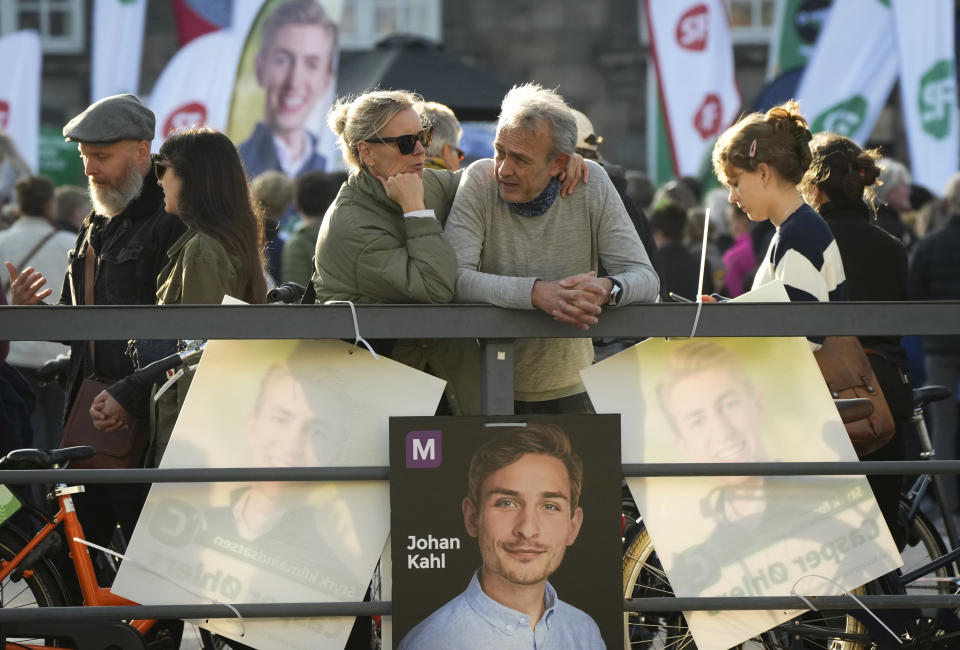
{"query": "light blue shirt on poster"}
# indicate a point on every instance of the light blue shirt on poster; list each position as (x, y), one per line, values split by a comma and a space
(474, 620)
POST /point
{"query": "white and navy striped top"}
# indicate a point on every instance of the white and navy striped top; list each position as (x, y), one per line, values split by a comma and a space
(805, 257)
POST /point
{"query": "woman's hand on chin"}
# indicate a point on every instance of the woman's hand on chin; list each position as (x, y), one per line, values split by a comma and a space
(405, 189)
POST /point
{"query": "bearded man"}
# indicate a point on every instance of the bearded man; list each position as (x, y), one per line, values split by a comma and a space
(123, 243)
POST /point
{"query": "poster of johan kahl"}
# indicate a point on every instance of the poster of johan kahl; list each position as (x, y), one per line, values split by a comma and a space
(506, 531)
(742, 400)
(275, 404)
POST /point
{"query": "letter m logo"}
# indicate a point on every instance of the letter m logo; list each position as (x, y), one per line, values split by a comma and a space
(424, 449)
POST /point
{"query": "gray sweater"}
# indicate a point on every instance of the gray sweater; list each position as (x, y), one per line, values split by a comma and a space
(500, 255)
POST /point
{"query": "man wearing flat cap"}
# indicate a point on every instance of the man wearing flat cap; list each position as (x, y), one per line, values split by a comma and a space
(120, 250)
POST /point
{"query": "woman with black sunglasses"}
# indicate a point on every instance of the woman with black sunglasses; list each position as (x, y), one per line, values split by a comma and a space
(221, 253)
(382, 240)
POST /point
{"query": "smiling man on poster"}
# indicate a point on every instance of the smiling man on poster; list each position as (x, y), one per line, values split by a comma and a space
(295, 65)
(522, 503)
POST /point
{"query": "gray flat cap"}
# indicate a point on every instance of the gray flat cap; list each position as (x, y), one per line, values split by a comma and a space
(120, 117)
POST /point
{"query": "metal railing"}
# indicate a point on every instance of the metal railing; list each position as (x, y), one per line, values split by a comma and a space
(469, 321)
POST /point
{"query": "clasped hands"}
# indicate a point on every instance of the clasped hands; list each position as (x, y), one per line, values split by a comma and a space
(108, 415)
(576, 299)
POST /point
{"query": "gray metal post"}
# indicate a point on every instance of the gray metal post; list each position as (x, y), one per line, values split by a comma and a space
(497, 381)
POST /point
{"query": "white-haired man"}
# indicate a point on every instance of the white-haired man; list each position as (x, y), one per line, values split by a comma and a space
(893, 190)
(444, 152)
(519, 247)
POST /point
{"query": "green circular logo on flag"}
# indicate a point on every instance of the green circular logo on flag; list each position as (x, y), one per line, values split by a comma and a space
(845, 117)
(937, 98)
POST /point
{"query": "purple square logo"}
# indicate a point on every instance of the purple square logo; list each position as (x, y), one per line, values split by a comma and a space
(424, 449)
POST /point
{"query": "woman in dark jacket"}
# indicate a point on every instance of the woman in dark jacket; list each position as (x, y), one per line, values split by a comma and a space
(840, 185)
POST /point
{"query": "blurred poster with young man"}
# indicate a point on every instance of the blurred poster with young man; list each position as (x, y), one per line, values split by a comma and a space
(285, 84)
(275, 404)
(266, 77)
(739, 400)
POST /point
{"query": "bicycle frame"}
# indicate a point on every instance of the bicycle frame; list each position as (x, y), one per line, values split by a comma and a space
(93, 594)
(927, 452)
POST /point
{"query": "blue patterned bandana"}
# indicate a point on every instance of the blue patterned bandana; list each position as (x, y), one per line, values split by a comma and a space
(539, 205)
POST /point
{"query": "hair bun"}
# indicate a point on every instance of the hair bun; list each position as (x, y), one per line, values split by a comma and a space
(867, 169)
(786, 118)
(337, 117)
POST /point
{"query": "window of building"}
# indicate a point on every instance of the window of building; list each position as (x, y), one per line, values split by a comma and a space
(365, 22)
(60, 23)
(751, 21)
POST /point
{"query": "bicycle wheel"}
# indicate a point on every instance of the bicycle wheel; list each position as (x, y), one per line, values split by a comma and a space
(924, 545)
(643, 575)
(43, 588)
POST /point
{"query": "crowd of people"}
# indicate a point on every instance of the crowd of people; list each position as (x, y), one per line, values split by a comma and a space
(547, 224)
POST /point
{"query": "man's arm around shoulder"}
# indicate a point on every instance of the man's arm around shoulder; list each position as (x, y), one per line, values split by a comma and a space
(620, 249)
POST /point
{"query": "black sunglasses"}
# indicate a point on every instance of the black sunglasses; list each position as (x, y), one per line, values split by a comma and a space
(160, 168)
(460, 154)
(407, 143)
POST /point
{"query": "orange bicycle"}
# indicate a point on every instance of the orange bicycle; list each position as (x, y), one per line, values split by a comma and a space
(32, 570)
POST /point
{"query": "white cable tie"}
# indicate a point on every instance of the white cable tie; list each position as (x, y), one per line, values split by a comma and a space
(356, 325)
(164, 576)
(807, 601)
(703, 267)
(793, 592)
(696, 319)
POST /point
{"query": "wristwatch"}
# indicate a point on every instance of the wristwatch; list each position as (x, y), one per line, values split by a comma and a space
(616, 292)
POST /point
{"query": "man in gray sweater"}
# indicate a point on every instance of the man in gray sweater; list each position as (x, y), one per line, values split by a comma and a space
(519, 246)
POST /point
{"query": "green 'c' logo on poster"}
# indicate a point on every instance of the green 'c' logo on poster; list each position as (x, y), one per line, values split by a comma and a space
(937, 98)
(885, 3)
(9, 504)
(845, 117)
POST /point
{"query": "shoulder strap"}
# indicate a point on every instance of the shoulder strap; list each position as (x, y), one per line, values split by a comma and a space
(29, 256)
(89, 268)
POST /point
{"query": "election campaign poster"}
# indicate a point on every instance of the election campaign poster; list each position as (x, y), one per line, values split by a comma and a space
(286, 82)
(723, 400)
(509, 520)
(275, 404)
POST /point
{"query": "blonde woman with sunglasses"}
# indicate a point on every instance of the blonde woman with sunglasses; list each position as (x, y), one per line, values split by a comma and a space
(382, 239)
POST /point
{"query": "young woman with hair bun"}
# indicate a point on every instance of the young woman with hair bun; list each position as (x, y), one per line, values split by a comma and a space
(841, 185)
(761, 159)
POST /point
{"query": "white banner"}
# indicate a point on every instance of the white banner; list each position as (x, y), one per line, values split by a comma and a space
(691, 45)
(196, 87)
(20, 92)
(928, 88)
(852, 70)
(117, 47)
